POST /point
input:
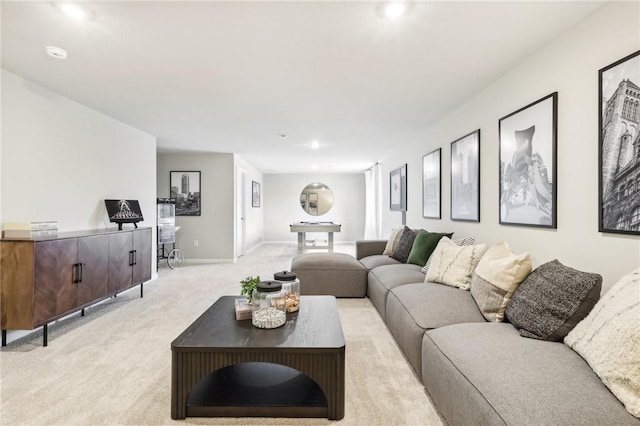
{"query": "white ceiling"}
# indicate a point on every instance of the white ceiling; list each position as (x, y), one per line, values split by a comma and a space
(232, 76)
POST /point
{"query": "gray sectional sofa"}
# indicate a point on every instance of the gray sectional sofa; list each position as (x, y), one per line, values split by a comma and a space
(477, 372)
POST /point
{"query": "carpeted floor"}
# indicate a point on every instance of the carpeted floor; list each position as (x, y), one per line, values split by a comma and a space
(113, 366)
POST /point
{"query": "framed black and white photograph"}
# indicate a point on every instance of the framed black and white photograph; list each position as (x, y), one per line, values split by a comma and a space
(528, 164)
(431, 184)
(465, 178)
(185, 189)
(619, 147)
(398, 189)
(255, 194)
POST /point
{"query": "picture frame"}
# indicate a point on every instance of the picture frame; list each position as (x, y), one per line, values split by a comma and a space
(255, 194)
(432, 184)
(527, 161)
(465, 178)
(398, 189)
(618, 157)
(184, 187)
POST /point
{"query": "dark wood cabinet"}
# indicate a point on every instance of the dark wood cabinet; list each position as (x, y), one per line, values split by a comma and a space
(43, 280)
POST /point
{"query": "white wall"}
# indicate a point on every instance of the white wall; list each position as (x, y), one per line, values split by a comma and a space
(282, 205)
(61, 160)
(254, 222)
(569, 66)
(214, 229)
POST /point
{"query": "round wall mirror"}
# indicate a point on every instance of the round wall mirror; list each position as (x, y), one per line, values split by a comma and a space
(316, 199)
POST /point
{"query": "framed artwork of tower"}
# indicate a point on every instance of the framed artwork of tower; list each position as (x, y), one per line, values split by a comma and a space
(528, 187)
(185, 189)
(619, 147)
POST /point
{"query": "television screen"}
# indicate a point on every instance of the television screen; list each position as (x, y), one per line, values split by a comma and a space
(124, 211)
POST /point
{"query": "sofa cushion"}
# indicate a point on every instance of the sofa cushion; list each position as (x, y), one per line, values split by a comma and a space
(453, 264)
(609, 340)
(372, 262)
(424, 245)
(402, 250)
(496, 278)
(384, 278)
(414, 308)
(552, 300)
(393, 241)
(487, 374)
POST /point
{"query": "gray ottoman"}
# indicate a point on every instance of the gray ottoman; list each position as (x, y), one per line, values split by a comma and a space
(337, 274)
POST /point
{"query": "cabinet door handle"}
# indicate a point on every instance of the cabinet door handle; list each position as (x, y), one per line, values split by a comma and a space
(135, 257)
(131, 258)
(80, 267)
(75, 273)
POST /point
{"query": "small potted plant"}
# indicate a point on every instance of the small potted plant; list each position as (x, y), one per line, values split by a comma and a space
(248, 285)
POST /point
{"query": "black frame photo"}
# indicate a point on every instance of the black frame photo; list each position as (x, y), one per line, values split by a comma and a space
(255, 194)
(184, 187)
(432, 184)
(528, 172)
(465, 178)
(398, 189)
(619, 146)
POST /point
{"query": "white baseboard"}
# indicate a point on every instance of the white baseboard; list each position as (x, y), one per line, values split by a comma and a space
(209, 261)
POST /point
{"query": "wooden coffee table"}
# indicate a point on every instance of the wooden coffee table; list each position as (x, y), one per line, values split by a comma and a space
(222, 367)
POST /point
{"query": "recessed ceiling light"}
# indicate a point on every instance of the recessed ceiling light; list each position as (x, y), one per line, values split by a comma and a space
(74, 11)
(395, 9)
(315, 145)
(283, 135)
(56, 52)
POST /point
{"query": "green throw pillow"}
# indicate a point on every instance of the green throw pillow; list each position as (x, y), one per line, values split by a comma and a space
(424, 244)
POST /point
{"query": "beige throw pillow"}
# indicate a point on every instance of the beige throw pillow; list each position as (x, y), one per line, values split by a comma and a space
(496, 278)
(393, 240)
(609, 340)
(453, 264)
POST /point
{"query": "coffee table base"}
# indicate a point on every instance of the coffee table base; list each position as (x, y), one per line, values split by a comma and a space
(198, 376)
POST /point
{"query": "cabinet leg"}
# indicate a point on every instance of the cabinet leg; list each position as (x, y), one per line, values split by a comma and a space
(141, 290)
(4, 337)
(45, 335)
(82, 312)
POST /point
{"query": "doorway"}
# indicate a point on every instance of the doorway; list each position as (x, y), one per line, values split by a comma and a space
(241, 211)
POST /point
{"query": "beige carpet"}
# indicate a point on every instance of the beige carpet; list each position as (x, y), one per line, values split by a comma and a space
(113, 366)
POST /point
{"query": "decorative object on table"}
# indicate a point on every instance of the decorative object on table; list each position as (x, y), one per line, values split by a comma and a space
(291, 286)
(32, 230)
(185, 189)
(269, 305)
(431, 185)
(124, 211)
(248, 285)
(243, 308)
(528, 187)
(465, 178)
(619, 153)
(255, 194)
(398, 189)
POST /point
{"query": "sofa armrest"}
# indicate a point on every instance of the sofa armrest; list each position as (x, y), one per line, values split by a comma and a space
(366, 248)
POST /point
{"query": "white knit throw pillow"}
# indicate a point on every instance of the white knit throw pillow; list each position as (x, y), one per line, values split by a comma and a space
(609, 340)
(453, 264)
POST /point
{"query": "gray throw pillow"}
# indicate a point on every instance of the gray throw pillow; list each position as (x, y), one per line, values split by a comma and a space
(402, 250)
(552, 300)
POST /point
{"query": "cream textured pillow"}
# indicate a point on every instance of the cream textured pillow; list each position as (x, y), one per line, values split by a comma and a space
(496, 278)
(466, 241)
(453, 264)
(393, 240)
(609, 340)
